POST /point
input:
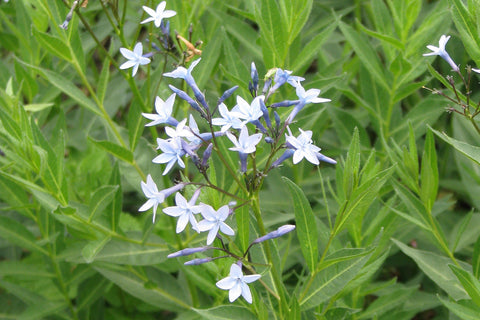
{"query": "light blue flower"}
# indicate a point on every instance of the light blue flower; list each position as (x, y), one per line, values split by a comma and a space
(305, 97)
(186, 74)
(248, 112)
(154, 196)
(245, 143)
(184, 211)
(214, 221)
(134, 57)
(164, 112)
(159, 14)
(181, 130)
(282, 77)
(303, 147)
(172, 153)
(228, 119)
(182, 72)
(440, 51)
(237, 284)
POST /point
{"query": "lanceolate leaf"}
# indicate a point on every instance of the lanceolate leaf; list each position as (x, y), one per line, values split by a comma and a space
(306, 225)
(436, 268)
(332, 279)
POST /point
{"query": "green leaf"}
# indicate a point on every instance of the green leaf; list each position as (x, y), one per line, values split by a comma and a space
(114, 209)
(135, 125)
(240, 30)
(305, 222)
(469, 282)
(226, 312)
(101, 198)
(122, 253)
(154, 295)
(429, 173)
(366, 54)
(464, 309)
(90, 291)
(90, 251)
(36, 107)
(311, 49)
(270, 21)
(386, 303)
(53, 44)
(331, 280)
(66, 86)
(210, 55)
(14, 232)
(472, 152)
(436, 268)
(114, 149)
(467, 28)
(476, 259)
(242, 216)
(103, 81)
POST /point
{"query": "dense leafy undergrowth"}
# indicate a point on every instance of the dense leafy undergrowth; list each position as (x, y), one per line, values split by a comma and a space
(382, 224)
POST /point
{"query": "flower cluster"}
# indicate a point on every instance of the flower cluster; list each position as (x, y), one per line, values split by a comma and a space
(246, 125)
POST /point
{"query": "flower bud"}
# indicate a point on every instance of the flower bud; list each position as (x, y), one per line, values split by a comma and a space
(275, 234)
(226, 95)
(187, 252)
(206, 155)
(196, 262)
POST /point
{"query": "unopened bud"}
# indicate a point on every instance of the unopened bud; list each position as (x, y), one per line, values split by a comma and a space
(275, 234)
(196, 262)
(187, 252)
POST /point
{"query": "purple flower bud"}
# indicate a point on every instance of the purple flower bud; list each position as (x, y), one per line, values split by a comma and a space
(269, 140)
(155, 47)
(294, 112)
(165, 27)
(275, 234)
(197, 93)
(226, 95)
(206, 154)
(259, 125)
(188, 150)
(266, 116)
(187, 252)
(286, 103)
(183, 95)
(196, 262)
(148, 54)
(287, 154)
(277, 119)
(323, 158)
(254, 76)
(266, 85)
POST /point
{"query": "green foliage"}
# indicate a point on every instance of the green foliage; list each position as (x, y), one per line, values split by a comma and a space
(73, 151)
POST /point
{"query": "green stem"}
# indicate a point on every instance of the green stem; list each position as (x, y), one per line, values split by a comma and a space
(275, 273)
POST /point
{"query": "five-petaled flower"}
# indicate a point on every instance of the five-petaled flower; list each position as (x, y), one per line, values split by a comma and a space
(185, 211)
(154, 196)
(440, 51)
(164, 112)
(172, 152)
(305, 97)
(244, 145)
(237, 284)
(228, 119)
(135, 58)
(159, 14)
(214, 221)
